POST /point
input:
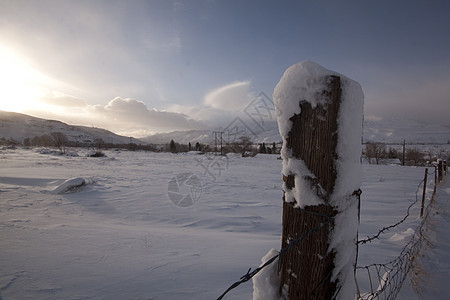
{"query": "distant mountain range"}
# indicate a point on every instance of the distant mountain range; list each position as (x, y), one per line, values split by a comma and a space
(20, 126)
(389, 131)
(17, 127)
(396, 130)
(235, 129)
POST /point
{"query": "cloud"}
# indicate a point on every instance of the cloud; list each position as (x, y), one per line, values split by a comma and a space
(61, 99)
(219, 106)
(211, 117)
(123, 116)
(230, 97)
(131, 113)
(129, 116)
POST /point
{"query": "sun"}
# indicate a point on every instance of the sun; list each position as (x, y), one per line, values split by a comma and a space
(20, 84)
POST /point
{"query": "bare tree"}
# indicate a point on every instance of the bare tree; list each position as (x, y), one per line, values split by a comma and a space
(430, 153)
(242, 145)
(42, 141)
(443, 154)
(59, 141)
(173, 146)
(375, 151)
(99, 143)
(27, 142)
(198, 147)
(262, 148)
(414, 156)
(392, 153)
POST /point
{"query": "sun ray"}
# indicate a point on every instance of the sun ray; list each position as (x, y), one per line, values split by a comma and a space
(21, 85)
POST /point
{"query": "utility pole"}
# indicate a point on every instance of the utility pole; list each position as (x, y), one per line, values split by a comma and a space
(218, 141)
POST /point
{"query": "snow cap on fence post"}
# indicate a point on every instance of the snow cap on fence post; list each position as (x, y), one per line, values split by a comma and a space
(330, 188)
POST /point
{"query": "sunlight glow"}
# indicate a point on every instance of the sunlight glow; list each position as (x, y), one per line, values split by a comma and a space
(20, 84)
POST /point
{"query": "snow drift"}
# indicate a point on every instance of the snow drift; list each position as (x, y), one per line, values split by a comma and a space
(70, 185)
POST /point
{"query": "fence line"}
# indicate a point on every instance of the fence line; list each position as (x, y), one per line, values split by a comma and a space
(389, 276)
(384, 229)
(387, 279)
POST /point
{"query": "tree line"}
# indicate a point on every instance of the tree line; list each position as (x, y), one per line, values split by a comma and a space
(376, 153)
(373, 152)
(243, 145)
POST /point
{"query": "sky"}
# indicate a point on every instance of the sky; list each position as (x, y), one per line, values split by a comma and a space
(140, 67)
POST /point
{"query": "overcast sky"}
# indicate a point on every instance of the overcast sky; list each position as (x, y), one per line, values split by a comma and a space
(138, 67)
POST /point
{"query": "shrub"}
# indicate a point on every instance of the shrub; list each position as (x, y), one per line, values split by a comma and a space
(98, 154)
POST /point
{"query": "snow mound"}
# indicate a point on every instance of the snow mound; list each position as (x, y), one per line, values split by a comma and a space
(48, 152)
(266, 284)
(69, 186)
(402, 236)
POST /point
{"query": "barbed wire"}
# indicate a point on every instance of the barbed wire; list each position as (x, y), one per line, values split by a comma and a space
(248, 276)
(390, 276)
(292, 243)
(384, 229)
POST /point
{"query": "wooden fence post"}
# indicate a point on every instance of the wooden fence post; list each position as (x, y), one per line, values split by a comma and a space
(404, 152)
(313, 141)
(435, 180)
(440, 168)
(424, 192)
(308, 268)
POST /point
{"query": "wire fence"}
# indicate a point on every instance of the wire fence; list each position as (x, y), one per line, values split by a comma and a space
(385, 280)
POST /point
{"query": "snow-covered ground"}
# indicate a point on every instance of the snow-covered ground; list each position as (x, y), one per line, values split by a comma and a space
(437, 256)
(133, 230)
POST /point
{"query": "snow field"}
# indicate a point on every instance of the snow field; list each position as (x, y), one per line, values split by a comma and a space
(120, 236)
(434, 284)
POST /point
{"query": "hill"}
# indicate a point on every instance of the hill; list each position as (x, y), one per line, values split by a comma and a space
(17, 127)
(396, 130)
(384, 130)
